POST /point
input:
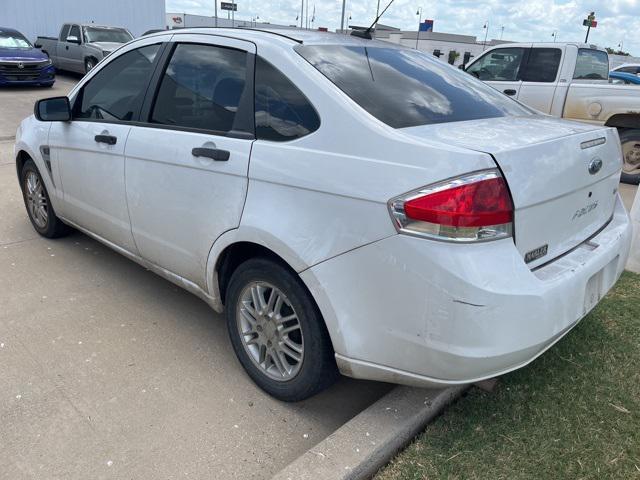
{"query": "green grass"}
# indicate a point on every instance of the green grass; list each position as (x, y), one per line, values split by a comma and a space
(572, 414)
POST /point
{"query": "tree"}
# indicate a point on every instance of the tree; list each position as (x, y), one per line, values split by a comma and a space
(617, 52)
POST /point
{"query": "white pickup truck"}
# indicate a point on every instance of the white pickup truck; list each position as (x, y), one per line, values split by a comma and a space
(568, 80)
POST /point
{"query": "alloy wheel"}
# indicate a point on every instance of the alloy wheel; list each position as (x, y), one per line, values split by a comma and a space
(631, 155)
(270, 330)
(36, 200)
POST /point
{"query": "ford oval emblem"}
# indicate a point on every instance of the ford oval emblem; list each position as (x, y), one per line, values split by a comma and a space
(594, 166)
(20, 65)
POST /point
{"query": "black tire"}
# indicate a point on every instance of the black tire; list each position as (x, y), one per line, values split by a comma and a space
(89, 64)
(53, 228)
(318, 368)
(627, 136)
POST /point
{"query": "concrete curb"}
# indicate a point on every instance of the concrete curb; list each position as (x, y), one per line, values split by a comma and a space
(359, 448)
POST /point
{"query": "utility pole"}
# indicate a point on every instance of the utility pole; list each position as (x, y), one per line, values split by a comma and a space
(301, 12)
(344, 4)
(555, 36)
(233, 14)
(215, 9)
(306, 19)
(501, 31)
(419, 14)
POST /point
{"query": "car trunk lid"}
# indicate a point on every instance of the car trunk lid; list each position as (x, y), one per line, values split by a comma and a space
(560, 200)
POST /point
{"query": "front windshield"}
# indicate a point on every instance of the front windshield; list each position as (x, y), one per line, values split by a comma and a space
(13, 40)
(115, 35)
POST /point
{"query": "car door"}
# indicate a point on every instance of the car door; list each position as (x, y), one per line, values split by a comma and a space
(89, 150)
(71, 51)
(187, 162)
(60, 45)
(501, 69)
(540, 77)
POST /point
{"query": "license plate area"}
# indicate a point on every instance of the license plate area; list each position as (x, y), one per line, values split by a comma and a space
(599, 284)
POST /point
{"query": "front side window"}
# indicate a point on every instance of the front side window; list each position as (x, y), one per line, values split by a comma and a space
(542, 65)
(405, 88)
(502, 64)
(282, 111)
(74, 32)
(201, 88)
(591, 65)
(101, 34)
(64, 33)
(117, 90)
(13, 40)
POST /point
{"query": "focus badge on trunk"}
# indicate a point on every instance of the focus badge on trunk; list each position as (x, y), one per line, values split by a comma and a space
(536, 253)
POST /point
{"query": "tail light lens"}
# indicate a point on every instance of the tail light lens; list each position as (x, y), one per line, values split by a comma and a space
(473, 207)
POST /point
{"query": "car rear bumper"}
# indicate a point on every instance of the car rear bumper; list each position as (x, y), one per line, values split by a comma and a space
(419, 312)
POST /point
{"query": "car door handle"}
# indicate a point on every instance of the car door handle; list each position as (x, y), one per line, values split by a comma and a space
(213, 153)
(510, 91)
(108, 139)
(66, 47)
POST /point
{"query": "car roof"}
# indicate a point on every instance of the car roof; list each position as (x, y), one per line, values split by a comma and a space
(306, 37)
(548, 44)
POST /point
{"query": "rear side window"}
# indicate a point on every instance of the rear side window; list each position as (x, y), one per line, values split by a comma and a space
(117, 90)
(201, 88)
(500, 65)
(405, 88)
(282, 111)
(542, 65)
(64, 33)
(591, 65)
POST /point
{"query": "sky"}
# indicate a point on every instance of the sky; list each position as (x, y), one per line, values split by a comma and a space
(533, 20)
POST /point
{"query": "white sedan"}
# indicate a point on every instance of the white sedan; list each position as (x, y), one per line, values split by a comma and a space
(354, 206)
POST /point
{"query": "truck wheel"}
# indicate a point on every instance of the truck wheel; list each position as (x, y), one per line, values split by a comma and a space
(89, 63)
(630, 140)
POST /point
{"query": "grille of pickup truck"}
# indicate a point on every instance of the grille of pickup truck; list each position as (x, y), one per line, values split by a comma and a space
(22, 70)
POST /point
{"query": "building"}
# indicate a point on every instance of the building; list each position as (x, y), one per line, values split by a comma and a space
(45, 17)
(187, 20)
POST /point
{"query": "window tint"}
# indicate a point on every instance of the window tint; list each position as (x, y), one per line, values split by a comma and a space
(591, 65)
(201, 88)
(404, 87)
(502, 64)
(282, 111)
(542, 65)
(117, 90)
(74, 32)
(64, 33)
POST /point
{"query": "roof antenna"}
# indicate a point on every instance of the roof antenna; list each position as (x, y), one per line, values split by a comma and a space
(366, 32)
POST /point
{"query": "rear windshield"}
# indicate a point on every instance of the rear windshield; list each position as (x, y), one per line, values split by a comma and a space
(406, 88)
(591, 65)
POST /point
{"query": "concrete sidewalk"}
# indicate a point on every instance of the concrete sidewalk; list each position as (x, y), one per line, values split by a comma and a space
(110, 371)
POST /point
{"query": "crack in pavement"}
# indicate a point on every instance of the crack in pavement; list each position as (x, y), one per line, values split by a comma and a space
(18, 242)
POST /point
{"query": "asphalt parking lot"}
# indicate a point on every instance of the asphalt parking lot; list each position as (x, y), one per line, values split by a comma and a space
(109, 371)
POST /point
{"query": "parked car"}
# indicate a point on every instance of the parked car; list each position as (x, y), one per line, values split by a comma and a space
(567, 80)
(21, 63)
(353, 205)
(633, 68)
(623, 78)
(79, 47)
(154, 30)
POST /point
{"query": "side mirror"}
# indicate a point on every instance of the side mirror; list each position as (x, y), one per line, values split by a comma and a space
(55, 109)
(462, 67)
(73, 39)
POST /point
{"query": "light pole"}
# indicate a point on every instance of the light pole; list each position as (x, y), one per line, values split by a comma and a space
(555, 36)
(501, 31)
(301, 12)
(215, 9)
(233, 13)
(344, 4)
(486, 32)
(419, 14)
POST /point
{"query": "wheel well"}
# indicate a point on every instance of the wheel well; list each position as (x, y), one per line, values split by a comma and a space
(21, 159)
(90, 57)
(624, 120)
(236, 254)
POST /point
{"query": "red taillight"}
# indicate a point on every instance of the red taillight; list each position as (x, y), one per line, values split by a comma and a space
(472, 207)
